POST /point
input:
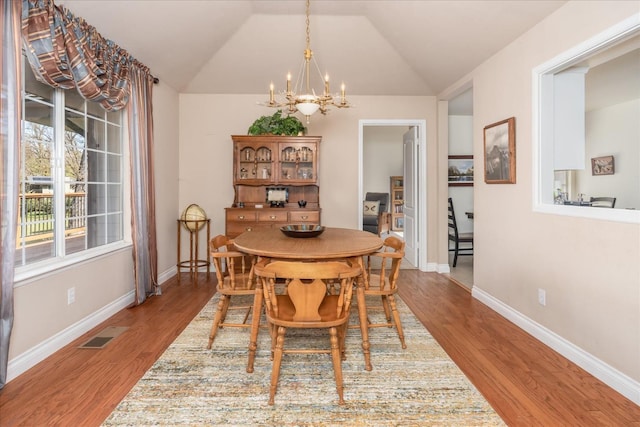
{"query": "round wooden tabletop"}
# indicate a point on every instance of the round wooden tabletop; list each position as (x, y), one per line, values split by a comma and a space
(332, 243)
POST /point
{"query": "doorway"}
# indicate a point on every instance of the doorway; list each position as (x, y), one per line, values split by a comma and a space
(382, 180)
(460, 144)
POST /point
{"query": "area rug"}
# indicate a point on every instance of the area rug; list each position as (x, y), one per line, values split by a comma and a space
(191, 385)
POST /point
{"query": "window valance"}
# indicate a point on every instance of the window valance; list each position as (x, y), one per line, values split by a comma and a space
(66, 52)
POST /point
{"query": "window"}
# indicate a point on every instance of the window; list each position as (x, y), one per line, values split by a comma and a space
(71, 177)
(586, 104)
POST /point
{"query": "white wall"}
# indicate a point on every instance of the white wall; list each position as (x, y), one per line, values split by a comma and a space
(589, 268)
(613, 131)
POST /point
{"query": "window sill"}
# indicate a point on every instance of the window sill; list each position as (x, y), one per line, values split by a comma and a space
(631, 216)
(29, 273)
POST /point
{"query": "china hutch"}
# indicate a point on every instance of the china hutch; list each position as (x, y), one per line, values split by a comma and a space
(275, 180)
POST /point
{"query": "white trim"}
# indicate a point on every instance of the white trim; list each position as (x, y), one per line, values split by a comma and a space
(21, 363)
(422, 177)
(615, 379)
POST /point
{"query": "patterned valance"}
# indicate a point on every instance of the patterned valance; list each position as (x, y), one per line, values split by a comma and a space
(66, 52)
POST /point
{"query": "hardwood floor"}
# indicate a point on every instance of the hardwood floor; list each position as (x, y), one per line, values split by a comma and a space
(526, 382)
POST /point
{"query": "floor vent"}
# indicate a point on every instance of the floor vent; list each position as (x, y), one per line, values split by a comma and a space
(104, 337)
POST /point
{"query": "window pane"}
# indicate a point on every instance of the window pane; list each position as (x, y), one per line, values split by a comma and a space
(114, 198)
(96, 199)
(114, 144)
(96, 231)
(114, 227)
(75, 161)
(113, 168)
(35, 239)
(114, 117)
(34, 88)
(72, 99)
(95, 134)
(74, 128)
(95, 109)
(96, 164)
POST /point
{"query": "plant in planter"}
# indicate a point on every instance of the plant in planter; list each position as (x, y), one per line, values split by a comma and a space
(277, 125)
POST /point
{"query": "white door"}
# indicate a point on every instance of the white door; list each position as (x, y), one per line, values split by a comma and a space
(410, 232)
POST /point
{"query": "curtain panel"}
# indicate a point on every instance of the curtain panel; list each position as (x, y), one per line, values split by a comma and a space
(10, 117)
(143, 211)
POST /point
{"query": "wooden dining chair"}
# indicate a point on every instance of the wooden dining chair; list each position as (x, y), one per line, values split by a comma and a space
(462, 242)
(381, 280)
(235, 277)
(307, 305)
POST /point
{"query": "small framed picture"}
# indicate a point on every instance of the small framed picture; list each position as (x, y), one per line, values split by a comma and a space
(461, 171)
(500, 152)
(602, 165)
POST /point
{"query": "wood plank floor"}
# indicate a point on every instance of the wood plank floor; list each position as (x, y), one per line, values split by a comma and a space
(527, 383)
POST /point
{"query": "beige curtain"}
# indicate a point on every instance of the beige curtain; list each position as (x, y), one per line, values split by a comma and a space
(10, 117)
(143, 209)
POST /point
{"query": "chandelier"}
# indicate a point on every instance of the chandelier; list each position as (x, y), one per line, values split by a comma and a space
(302, 97)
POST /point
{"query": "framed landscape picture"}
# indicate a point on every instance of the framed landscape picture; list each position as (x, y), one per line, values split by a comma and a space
(461, 171)
(500, 152)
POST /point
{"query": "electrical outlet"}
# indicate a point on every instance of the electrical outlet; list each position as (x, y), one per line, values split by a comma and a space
(71, 295)
(542, 297)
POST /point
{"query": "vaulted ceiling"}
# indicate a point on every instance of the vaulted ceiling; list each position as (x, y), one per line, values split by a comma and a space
(375, 47)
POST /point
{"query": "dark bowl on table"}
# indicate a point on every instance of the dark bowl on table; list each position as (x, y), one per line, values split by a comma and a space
(302, 230)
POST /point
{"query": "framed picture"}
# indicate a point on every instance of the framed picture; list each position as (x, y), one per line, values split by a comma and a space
(602, 165)
(461, 171)
(500, 152)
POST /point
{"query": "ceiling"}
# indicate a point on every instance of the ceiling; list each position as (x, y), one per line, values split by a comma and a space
(374, 47)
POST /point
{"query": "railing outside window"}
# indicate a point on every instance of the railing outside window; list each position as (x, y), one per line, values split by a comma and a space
(36, 223)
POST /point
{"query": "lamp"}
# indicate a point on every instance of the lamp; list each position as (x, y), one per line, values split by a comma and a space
(303, 98)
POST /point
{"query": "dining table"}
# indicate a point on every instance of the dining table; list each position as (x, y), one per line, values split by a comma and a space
(332, 244)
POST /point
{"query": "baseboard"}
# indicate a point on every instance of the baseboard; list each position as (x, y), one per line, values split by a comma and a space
(46, 348)
(443, 268)
(615, 379)
(164, 276)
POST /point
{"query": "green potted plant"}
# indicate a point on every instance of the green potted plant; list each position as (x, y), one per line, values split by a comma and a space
(277, 125)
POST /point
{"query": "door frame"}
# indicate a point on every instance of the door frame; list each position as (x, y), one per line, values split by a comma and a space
(421, 177)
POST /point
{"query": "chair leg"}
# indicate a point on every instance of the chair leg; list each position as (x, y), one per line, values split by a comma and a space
(337, 363)
(455, 254)
(387, 310)
(396, 319)
(223, 303)
(277, 361)
(342, 336)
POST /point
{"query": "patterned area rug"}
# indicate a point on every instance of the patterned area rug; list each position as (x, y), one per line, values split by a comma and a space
(190, 385)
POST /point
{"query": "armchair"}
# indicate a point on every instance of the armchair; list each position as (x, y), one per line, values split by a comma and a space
(376, 218)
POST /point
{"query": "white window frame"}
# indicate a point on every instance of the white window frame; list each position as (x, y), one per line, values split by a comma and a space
(543, 144)
(27, 273)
